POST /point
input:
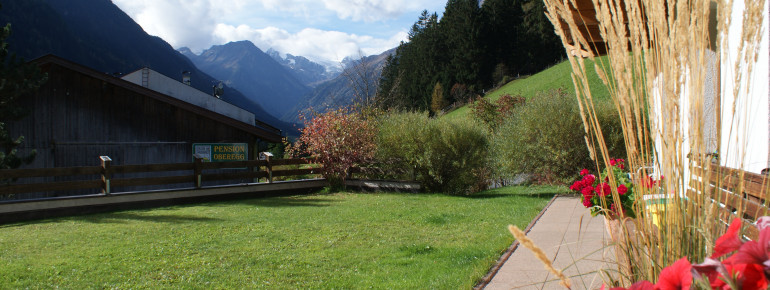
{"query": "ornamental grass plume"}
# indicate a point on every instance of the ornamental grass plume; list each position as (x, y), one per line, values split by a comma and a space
(540, 255)
(662, 69)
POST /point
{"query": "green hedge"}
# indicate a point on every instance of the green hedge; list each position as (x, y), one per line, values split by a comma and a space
(545, 137)
(445, 155)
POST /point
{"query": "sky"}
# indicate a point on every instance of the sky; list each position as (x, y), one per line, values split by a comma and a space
(321, 30)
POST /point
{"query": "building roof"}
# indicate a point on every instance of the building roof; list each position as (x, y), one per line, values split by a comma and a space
(156, 81)
(269, 134)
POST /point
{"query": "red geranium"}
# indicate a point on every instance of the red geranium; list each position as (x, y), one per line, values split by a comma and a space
(622, 189)
(619, 163)
(595, 190)
(603, 189)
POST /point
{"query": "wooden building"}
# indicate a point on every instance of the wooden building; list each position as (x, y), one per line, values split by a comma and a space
(80, 114)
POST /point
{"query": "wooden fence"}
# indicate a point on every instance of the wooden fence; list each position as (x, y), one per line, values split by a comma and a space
(107, 176)
(735, 193)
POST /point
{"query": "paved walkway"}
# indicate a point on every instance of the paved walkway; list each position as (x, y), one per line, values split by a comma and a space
(573, 240)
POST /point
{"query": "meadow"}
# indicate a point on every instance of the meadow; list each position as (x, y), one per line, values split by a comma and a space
(329, 240)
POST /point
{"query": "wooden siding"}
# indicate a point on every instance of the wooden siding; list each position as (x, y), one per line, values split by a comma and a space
(77, 117)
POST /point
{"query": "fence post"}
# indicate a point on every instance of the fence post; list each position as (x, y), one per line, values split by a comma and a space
(106, 174)
(266, 156)
(197, 169)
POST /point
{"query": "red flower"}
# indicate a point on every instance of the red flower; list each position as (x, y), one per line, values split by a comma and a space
(622, 189)
(588, 180)
(752, 252)
(729, 241)
(748, 276)
(648, 182)
(603, 189)
(713, 270)
(584, 172)
(576, 186)
(587, 201)
(618, 163)
(676, 276)
(588, 192)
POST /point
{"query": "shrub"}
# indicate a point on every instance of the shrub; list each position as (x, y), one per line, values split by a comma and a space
(339, 139)
(493, 114)
(461, 92)
(446, 155)
(484, 111)
(546, 138)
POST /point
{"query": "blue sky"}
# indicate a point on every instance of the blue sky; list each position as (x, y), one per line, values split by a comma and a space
(322, 30)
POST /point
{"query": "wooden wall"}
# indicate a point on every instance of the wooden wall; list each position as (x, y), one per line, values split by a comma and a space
(75, 118)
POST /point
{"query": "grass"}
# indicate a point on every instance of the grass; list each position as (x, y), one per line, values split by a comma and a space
(555, 77)
(339, 240)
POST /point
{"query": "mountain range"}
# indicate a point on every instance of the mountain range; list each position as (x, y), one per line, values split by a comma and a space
(360, 77)
(246, 68)
(291, 85)
(308, 72)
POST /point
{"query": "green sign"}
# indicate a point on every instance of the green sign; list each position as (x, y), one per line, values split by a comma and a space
(219, 152)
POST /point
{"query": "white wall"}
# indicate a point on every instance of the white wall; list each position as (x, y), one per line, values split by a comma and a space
(168, 86)
(745, 116)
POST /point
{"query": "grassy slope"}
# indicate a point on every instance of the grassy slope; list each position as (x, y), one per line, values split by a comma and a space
(341, 240)
(558, 76)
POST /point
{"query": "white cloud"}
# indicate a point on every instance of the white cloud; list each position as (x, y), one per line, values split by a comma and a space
(298, 7)
(370, 10)
(315, 44)
(356, 10)
(178, 22)
(284, 25)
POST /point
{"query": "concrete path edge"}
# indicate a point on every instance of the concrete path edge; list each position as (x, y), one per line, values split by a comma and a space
(507, 254)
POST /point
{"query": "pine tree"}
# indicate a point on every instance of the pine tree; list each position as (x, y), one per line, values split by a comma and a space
(464, 48)
(18, 80)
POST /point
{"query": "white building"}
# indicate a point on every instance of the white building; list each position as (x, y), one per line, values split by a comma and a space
(745, 132)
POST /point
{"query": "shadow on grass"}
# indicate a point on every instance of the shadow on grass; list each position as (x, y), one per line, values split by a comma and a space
(501, 195)
(116, 218)
(289, 201)
(122, 217)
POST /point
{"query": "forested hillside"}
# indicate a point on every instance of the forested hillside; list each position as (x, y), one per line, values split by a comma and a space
(469, 49)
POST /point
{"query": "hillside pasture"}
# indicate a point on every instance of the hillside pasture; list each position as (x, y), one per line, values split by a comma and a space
(555, 77)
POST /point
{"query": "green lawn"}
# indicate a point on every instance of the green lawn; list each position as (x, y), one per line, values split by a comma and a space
(557, 76)
(340, 240)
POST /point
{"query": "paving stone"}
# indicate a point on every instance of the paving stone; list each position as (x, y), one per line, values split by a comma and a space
(573, 240)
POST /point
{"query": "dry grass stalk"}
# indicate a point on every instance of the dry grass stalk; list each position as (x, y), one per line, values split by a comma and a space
(656, 69)
(539, 254)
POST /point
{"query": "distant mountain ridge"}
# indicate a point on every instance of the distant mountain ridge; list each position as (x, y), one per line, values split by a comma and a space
(243, 66)
(308, 72)
(340, 91)
(97, 34)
